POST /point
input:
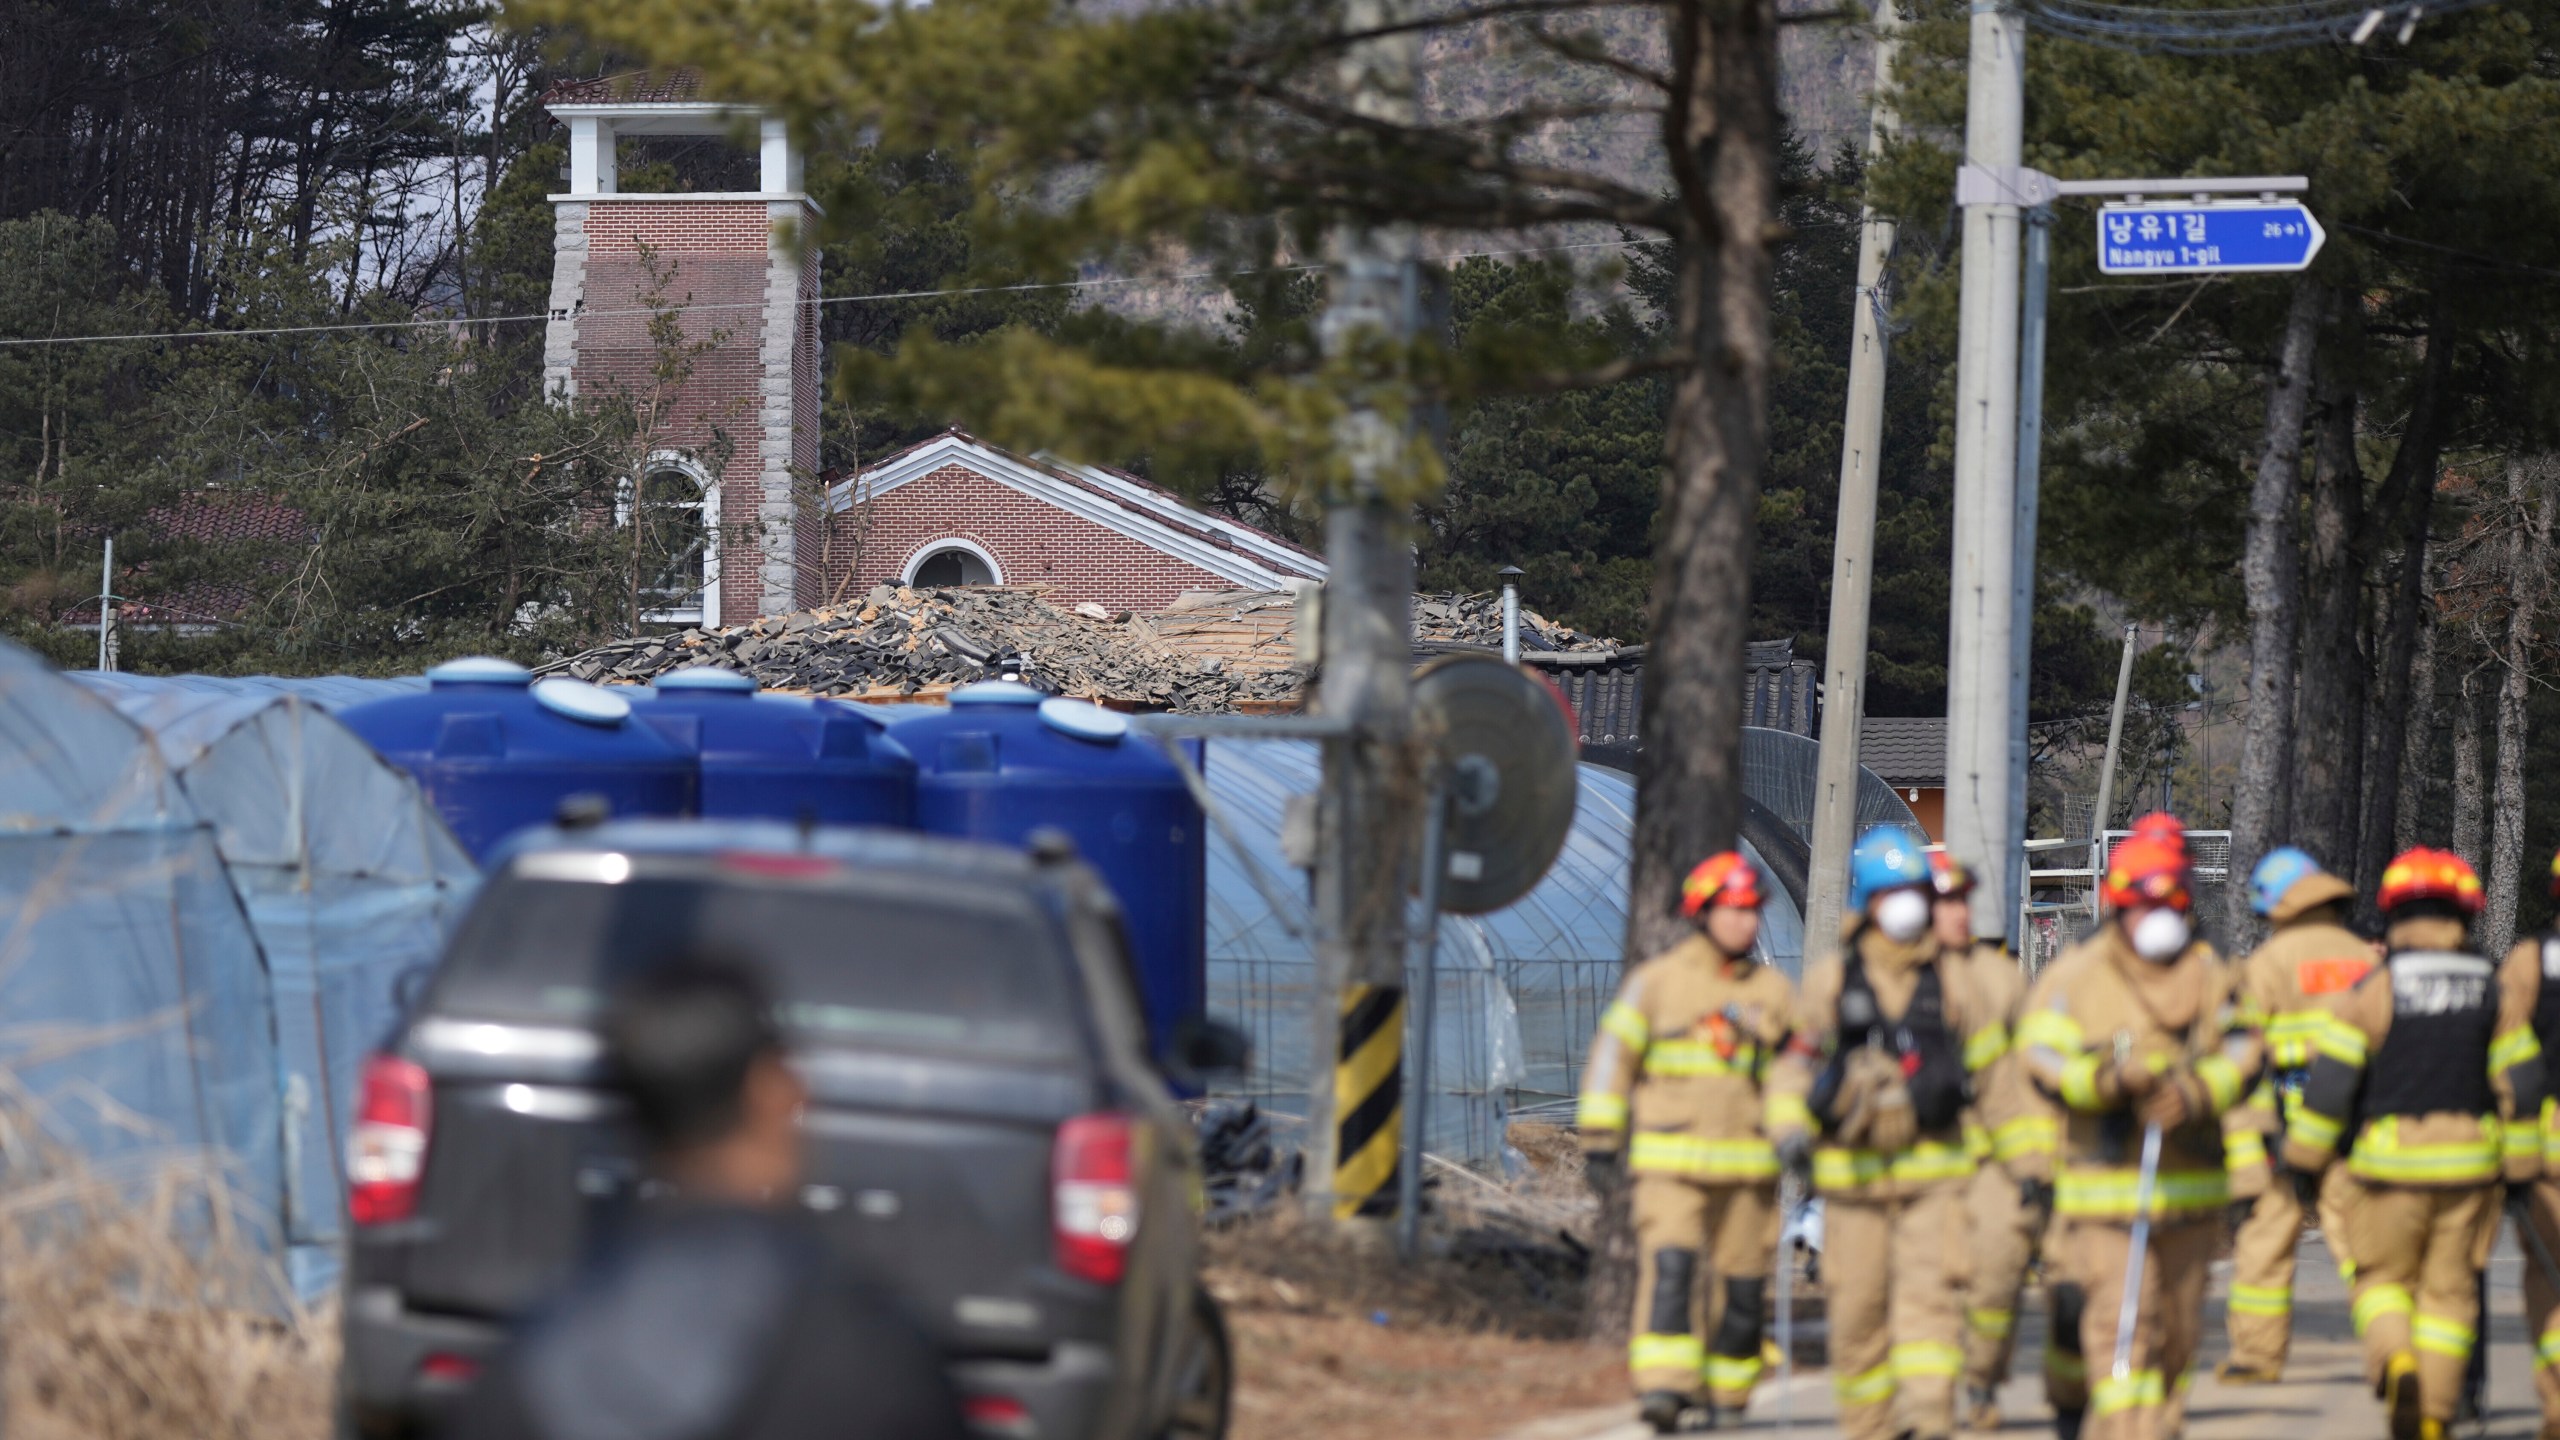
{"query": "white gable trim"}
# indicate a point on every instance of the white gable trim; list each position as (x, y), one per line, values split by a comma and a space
(1125, 508)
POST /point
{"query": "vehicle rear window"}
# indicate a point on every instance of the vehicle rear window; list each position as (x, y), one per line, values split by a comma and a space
(864, 965)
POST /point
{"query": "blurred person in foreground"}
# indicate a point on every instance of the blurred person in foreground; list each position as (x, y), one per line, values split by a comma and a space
(715, 1312)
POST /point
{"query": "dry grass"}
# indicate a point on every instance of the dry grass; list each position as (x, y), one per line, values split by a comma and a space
(1477, 1337)
(138, 1311)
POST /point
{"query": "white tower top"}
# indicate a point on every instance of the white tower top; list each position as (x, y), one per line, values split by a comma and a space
(598, 112)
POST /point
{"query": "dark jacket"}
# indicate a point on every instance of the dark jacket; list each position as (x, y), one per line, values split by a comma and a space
(713, 1323)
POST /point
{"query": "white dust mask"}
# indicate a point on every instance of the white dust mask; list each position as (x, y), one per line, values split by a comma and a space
(1902, 915)
(2161, 935)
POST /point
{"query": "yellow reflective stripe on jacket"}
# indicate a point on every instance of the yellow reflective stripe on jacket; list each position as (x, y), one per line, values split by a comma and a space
(1836, 1168)
(2050, 1030)
(2512, 1049)
(1600, 1110)
(1746, 1158)
(2027, 1135)
(1782, 1112)
(2340, 1041)
(2222, 1080)
(1977, 1142)
(1925, 1359)
(2292, 1036)
(1986, 1045)
(2112, 1194)
(2310, 1127)
(2381, 1155)
(2520, 1140)
(1682, 1058)
(2546, 1350)
(2243, 1149)
(1628, 1024)
(2080, 1081)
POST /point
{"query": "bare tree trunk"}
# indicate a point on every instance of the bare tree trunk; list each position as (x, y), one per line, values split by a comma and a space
(2528, 555)
(2328, 755)
(2410, 494)
(1720, 130)
(2271, 573)
(2418, 731)
(2470, 812)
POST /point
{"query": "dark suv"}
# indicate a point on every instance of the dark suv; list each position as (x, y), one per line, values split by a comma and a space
(985, 1130)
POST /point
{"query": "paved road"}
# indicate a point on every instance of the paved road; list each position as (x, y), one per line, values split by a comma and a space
(2322, 1398)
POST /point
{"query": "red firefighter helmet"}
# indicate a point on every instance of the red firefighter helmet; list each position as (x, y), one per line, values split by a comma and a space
(1949, 876)
(2149, 868)
(2424, 874)
(1724, 878)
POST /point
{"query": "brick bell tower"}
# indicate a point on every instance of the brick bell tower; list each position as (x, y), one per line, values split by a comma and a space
(743, 442)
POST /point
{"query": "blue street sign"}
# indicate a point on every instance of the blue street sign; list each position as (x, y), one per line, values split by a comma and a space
(2206, 239)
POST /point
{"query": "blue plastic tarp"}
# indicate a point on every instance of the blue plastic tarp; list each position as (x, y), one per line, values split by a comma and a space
(348, 881)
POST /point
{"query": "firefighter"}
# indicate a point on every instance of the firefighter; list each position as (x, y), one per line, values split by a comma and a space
(2010, 1198)
(1682, 1061)
(1890, 1033)
(2428, 1056)
(2286, 986)
(2532, 971)
(2134, 1028)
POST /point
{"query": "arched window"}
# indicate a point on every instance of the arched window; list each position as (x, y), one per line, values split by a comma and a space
(953, 562)
(675, 552)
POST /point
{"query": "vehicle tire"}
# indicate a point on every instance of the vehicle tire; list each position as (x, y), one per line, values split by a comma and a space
(1205, 1383)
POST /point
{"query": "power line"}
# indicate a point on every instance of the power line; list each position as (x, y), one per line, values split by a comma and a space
(449, 321)
(2238, 30)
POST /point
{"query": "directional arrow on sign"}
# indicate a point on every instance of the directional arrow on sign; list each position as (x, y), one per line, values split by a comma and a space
(2262, 237)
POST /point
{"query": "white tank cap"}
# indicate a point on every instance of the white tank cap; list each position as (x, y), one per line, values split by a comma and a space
(479, 670)
(997, 692)
(1084, 720)
(706, 680)
(580, 701)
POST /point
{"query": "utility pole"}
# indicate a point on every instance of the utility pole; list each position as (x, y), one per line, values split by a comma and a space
(1980, 614)
(1367, 802)
(2022, 569)
(1844, 656)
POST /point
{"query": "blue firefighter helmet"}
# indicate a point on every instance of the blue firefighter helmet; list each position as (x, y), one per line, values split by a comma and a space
(1887, 858)
(2278, 872)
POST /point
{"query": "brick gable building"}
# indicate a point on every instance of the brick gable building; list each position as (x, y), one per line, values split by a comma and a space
(740, 456)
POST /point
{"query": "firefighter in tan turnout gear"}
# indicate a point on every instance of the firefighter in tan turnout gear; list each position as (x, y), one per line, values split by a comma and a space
(2136, 1030)
(2286, 986)
(2532, 972)
(2428, 1058)
(2011, 1136)
(1673, 1095)
(1892, 1030)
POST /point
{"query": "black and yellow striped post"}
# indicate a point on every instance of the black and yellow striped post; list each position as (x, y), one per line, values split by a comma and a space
(1368, 1101)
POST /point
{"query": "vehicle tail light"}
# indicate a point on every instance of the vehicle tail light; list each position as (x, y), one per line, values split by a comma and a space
(1096, 1197)
(767, 865)
(443, 1367)
(997, 1415)
(388, 1149)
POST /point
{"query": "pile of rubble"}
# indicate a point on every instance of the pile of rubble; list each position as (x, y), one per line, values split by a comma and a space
(903, 643)
(1477, 620)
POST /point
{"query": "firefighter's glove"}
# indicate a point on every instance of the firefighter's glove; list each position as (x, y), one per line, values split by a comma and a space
(2178, 1098)
(1605, 1171)
(2306, 1188)
(2133, 1080)
(1864, 1072)
(2520, 1196)
(1897, 1124)
(1795, 1153)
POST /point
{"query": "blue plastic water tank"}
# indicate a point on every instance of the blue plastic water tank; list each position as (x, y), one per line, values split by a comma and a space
(1005, 760)
(496, 751)
(777, 757)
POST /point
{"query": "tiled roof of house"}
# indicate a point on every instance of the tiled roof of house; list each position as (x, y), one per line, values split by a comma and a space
(1905, 749)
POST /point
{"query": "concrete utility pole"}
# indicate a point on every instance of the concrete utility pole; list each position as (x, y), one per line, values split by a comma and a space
(1978, 651)
(1844, 686)
(1368, 801)
(2022, 571)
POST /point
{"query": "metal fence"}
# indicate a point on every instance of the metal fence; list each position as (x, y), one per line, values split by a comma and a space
(2060, 906)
